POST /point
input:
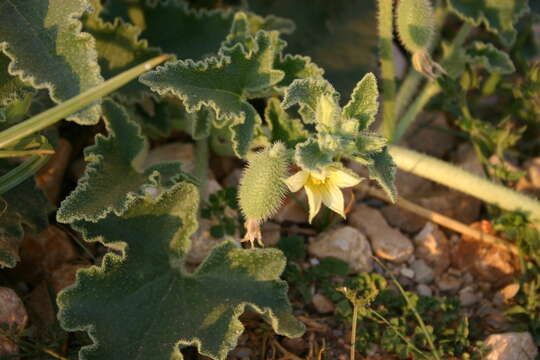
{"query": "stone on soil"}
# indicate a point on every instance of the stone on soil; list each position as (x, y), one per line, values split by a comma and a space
(511, 346)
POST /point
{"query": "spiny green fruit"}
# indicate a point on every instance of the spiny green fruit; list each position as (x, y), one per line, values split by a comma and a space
(415, 24)
(262, 188)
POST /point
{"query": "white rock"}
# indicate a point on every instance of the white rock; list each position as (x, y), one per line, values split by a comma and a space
(468, 296)
(423, 274)
(347, 244)
(449, 283)
(322, 304)
(387, 242)
(424, 290)
(511, 346)
(409, 273)
(433, 246)
(13, 315)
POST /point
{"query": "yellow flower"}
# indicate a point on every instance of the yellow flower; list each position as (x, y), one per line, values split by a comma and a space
(323, 187)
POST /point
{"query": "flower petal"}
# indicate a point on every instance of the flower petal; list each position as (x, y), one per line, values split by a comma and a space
(314, 199)
(343, 178)
(296, 181)
(333, 198)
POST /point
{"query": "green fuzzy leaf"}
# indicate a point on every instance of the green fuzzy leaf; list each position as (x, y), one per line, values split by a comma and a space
(368, 143)
(111, 180)
(499, 16)
(188, 33)
(383, 170)
(47, 49)
(293, 66)
(308, 94)
(173, 27)
(24, 208)
(284, 128)
(144, 305)
(11, 87)
(309, 156)
(491, 58)
(224, 83)
(364, 103)
(119, 49)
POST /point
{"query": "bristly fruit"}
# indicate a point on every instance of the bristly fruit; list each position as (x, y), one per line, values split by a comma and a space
(415, 24)
(262, 189)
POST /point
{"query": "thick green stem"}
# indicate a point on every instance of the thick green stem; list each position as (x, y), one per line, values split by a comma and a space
(456, 178)
(414, 78)
(386, 19)
(201, 165)
(57, 113)
(430, 89)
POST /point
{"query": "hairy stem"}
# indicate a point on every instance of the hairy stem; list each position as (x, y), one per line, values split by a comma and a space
(414, 78)
(386, 19)
(201, 165)
(430, 89)
(456, 178)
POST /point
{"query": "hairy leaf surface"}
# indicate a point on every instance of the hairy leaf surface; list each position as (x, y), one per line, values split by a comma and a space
(111, 179)
(224, 83)
(142, 305)
(499, 16)
(23, 208)
(491, 58)
(47, 49)
(119, 49)
(11, 87)
(284, 128)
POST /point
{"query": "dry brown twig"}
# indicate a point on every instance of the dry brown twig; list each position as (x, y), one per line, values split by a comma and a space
(440, 219)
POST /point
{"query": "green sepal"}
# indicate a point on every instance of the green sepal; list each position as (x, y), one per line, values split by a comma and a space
(224, 83)
(119, 49)
(111, 180)
(283, 128)
(309, 156)
(51, 53)
(24, 208)
(499, 16)
(142, 304)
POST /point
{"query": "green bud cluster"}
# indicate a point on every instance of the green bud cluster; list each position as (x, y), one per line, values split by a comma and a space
(262, 189)
(415, 24)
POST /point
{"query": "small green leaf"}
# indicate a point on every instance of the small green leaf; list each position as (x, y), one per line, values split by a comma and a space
(48, 50)
(23, 208)
(308, 94)
(284, 128)
(224, 83)
(383, 170)
(364, 104)
(111, 179)
(119, 49)
(499, 16)
(491, 58)
(309, 156)
(144, 305)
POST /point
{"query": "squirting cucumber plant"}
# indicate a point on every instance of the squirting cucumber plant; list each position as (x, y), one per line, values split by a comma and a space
(151, 69)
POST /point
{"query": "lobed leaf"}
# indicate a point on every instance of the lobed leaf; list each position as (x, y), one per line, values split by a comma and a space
(491, 58)
(383, 170)
(23, 208)
(111, 180)
(47, 49)
(307, 93)
(119, 49)
(284, 128)
(310, 156)
(224, 83)
(11, 87)
(144, 305)
(499, 16)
